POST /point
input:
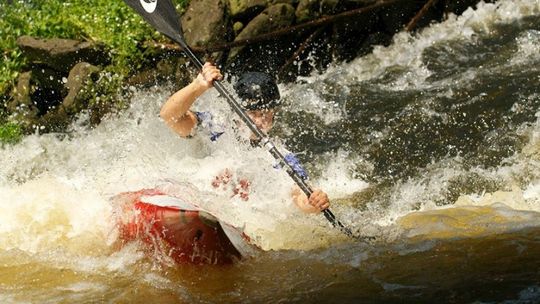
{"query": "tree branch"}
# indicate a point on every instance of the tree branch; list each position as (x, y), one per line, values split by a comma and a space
(412, 24)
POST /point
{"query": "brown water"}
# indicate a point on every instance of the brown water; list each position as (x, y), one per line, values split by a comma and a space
(489, 268)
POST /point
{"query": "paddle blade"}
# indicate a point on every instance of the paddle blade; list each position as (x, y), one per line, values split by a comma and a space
(161, 14)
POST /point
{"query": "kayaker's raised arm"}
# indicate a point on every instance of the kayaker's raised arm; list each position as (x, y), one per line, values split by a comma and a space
(176, 111)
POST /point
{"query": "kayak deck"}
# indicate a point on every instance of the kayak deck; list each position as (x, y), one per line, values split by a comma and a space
(182, 231)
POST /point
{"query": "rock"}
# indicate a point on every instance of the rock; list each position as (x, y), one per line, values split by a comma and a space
(61, 54)
(37, 93)
(21, 93)
(21, 106)
(237, 27)
(275, 17)
(205, 22)
(329, 6)
(54, 121)
(307, 10)
(78, 77)
(240, 9)
(312, 9)
(174, 69)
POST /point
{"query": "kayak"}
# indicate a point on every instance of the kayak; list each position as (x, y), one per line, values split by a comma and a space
(179, 229)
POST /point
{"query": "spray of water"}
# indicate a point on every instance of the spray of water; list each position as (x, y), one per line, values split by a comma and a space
(55, 188)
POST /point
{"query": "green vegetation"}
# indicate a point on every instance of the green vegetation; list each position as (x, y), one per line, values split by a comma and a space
(110, 22)
(10, 133)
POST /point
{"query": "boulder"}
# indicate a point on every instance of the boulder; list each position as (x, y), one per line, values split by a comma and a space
(312, 9)
(22, 93)
(275, 17)
(21, 106)
(78, 77)
(329, 7)
(245, 9)
(61, 54)
(205, 22)
(173, 69)
(307, 10)
(54, 121)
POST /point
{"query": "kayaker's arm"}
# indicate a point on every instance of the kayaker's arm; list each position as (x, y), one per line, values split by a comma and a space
(317, 202)
(175, 112)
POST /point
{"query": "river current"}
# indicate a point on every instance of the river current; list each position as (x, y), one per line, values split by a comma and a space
(430, 145)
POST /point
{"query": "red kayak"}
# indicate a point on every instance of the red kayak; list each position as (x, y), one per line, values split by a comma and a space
(179, 229)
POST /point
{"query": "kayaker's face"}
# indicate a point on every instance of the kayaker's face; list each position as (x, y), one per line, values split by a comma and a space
(263, 119)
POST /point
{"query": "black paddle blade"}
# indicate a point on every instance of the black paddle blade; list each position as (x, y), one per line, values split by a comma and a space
(161, 14)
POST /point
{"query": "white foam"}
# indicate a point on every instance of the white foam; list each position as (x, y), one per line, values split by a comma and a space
(56, 189)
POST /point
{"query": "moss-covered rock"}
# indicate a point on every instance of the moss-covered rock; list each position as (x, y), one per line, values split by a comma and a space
(246, 8)
(307, 10)
(78, 77)
(312, 9)
(173, 69)
(21, 107)
(61, 54)
(273, 18)
(205, 22)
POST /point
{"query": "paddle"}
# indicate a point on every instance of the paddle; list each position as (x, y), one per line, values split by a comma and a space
(161, 14)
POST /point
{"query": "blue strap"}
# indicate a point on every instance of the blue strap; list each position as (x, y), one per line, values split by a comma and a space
(215, 135)
(202, 116)
(293, 161)
(206, 119)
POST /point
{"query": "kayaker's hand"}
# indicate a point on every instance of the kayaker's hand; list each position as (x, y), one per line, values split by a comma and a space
(317, 202)
(207, 76)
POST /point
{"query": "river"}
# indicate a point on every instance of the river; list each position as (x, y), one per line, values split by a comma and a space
(430, 145)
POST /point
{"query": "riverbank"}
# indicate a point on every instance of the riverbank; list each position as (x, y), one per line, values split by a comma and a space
(64, 58)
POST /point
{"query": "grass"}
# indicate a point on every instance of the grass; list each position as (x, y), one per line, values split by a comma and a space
(10, 133)
(111, 22)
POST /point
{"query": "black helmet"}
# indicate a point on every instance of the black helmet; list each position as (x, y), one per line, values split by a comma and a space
(257, 90)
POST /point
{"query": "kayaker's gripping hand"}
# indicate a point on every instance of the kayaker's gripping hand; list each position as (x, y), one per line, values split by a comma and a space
(317, 202)
(176, 111)
(208, 74)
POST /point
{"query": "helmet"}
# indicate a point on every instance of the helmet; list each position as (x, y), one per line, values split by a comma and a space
(257, 90)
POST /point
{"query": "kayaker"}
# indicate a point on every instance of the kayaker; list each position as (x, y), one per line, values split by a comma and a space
(260, 96)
